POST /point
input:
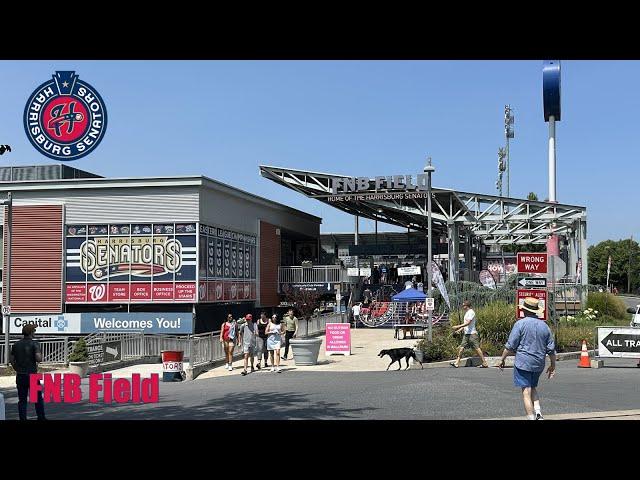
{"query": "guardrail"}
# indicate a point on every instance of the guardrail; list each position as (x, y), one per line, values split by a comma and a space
(54, 350)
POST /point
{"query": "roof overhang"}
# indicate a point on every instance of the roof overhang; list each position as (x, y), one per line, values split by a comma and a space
(496, 220)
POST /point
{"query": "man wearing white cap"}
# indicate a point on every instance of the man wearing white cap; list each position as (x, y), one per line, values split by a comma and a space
(531, 341)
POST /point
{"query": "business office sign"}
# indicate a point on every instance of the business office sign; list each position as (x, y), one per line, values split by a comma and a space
(394, 187)
(227, 265)
(122, 263)
(91, 322)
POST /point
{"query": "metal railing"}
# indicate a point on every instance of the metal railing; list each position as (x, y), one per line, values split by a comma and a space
(54, 350)
(317, 274)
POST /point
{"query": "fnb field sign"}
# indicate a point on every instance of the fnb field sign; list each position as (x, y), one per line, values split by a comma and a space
(532, 263)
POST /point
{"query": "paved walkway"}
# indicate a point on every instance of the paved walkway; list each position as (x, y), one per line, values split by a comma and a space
(366, 343)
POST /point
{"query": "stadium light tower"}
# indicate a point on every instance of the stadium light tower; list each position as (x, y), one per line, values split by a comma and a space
(551, 100)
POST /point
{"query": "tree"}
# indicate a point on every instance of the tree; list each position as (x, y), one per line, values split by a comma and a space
(625, 257)
(304, 301)
(532, 196)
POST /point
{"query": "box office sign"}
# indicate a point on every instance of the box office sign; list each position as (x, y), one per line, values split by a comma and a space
(90, 322)
(122, 263)
(227, 265)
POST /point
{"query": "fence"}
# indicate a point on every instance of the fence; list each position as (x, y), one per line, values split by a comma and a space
(54, 350)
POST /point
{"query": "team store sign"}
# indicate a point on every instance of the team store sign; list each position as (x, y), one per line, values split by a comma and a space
(125, 263)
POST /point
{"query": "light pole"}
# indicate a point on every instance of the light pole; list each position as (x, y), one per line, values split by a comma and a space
(6, 280)
(429, 169)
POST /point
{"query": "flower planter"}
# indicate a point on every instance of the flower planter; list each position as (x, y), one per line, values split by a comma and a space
(306, 351)
(81, 368)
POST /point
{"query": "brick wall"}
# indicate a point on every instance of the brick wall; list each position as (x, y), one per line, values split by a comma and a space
(269, 263)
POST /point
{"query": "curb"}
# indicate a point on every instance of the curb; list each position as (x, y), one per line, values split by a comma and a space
(495, 361)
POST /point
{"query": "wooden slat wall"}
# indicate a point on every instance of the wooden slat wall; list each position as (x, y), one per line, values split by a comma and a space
(36, 259)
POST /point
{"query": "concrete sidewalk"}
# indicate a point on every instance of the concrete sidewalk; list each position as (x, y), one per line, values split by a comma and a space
(366, 343)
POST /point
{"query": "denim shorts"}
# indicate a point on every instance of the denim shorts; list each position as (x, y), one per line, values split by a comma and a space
(522, 378)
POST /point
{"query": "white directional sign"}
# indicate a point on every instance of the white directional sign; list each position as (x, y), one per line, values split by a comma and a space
(533, 282)
(621, 342)
(430, 304)
(415, 270)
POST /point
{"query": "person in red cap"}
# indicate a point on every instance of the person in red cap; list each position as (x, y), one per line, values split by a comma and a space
(248, 339)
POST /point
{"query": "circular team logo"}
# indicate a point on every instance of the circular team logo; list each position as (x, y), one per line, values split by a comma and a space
(65, 118)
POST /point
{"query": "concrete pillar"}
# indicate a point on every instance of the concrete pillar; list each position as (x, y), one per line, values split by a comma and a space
(583, 250)
(454, 250)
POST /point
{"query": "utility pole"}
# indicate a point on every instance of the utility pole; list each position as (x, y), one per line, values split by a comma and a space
(6, 280)
(429, 169)
(629, 269)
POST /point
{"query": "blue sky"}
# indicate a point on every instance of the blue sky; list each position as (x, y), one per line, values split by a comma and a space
(224, 118)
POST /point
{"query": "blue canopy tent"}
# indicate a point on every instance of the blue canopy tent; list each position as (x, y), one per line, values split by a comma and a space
(409, 295)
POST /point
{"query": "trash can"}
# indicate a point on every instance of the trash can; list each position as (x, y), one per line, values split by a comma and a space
(172, 370)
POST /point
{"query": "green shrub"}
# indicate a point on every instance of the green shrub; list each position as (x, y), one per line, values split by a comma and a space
(608, 304)
(79, 353)
(494, 322)
(443, 347)
(569, 339)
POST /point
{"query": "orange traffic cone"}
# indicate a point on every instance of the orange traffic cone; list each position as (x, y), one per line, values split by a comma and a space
(584, 356)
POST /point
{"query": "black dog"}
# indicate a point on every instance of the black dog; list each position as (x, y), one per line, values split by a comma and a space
(397, 354)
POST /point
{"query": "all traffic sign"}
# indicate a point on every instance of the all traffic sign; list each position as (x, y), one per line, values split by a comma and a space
(532, 263)
(533, 282)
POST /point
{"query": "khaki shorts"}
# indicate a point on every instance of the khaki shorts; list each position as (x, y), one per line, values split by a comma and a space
(470, 341)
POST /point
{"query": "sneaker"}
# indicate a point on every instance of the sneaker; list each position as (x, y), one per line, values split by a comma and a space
(230, 367)
(258, 366)
(273, 369)
(253, 369)
(243, 373)
(279, 370)
(453, 364)
(539, 416)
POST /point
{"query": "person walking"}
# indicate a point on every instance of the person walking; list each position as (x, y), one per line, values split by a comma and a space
(274, 341)
(248, 339)
(291, 330)
(531, 341)
(261, 351)
(356, 314)
(25, 356)
(470, 338)
(228, 332)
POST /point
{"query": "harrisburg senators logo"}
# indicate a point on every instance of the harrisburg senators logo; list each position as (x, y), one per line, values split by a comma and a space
(65, 118)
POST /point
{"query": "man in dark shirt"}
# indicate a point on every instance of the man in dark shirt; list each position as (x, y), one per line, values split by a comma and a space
(25, 356)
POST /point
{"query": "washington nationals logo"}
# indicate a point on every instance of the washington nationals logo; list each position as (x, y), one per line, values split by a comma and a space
(65, 118)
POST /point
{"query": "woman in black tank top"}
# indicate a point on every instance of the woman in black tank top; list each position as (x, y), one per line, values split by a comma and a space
(262, 325)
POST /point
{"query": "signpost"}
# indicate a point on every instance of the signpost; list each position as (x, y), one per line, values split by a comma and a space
(532, 263)
(533, 282)
(430, 303)
(618, 342)
(539, 294)
(338, 339)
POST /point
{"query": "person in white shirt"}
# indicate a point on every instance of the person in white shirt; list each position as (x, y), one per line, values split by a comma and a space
(356, 313)
(470, 338)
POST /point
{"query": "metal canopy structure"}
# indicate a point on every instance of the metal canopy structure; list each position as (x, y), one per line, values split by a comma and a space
(492, 219)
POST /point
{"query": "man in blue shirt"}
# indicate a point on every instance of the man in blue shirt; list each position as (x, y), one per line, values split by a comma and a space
(531, 340)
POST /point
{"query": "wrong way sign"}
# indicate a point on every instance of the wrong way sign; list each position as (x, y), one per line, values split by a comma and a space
(532, 263)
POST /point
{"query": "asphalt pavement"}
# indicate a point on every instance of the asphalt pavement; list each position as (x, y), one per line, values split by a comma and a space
(443, 393)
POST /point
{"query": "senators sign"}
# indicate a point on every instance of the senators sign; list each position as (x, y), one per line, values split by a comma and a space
(141, 256)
